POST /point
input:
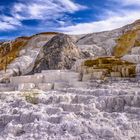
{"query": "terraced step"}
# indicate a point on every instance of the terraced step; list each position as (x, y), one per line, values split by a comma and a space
(26, 79)
(110, 111)
(6, 87)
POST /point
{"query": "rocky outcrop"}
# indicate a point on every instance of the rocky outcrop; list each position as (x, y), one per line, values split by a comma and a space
(27, 55)
(126, 42)
(117, 42)
(10, 50)
(91, 50)
(104, 40)
(104, 67)
(20, 58)
(59, 53)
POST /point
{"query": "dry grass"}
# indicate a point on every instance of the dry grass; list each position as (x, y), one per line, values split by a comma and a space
(31, 97)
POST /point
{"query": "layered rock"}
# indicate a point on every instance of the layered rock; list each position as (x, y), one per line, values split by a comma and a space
(46, 80)
(102, 67)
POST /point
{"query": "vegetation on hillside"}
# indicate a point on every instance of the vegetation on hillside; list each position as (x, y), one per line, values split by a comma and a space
(31, 97)
(126, 42)
(9, 51)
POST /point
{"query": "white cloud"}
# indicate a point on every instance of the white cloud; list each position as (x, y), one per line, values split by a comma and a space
(44, 9)
(48, 11)
(71, 6)
(7, 23)
(128, 2)
(11, 20)
(111, 21)
(6, 26)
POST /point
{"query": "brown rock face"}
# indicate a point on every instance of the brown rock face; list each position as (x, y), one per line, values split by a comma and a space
(108, 67)
(10, 50)
(59, 53)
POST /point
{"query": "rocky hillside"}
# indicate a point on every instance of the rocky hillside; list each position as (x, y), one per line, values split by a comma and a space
(18, 58)
(108, 43)
(122, 44)
(58, 51)
(10, 50)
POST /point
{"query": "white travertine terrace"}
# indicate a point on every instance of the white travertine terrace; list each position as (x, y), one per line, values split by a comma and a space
(52, 79)
(107, 111)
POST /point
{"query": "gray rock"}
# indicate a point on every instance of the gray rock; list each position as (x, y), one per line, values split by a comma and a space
(64, 54)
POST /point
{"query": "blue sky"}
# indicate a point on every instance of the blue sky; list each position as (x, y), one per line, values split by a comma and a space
(27, 17)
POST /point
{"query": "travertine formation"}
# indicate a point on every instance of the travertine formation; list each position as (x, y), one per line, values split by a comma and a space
(105, 67)
(28, 55)
(101, 112)
(65, 87)
(46, 80)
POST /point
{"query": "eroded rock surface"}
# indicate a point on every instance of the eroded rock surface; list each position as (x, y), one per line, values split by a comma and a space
(108, 111)
(59, 53)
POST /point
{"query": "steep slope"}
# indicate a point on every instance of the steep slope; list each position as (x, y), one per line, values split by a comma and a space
(128, 40)
(128, 45)
(105, 42)
(59, 53)
(23, 55)
(123, 43)
(10, 50)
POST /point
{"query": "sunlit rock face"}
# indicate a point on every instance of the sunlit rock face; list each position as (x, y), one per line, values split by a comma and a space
(10, 50)
(108, 111)
(18, 57)
(27, 57)
(59, 53)
(105, 41)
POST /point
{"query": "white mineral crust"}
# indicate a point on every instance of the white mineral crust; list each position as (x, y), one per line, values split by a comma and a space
(107, 112)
